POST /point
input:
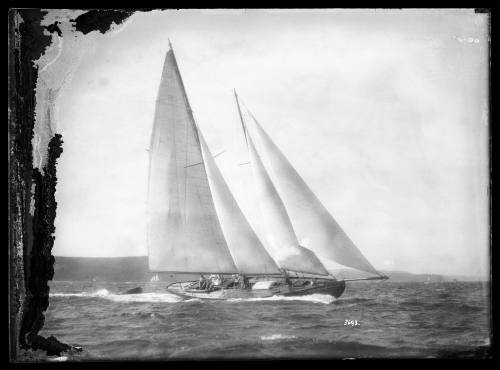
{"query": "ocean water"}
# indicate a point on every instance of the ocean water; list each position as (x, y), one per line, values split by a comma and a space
(370, 320)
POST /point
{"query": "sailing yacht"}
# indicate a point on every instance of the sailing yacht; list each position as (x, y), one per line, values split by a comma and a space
(195, 225)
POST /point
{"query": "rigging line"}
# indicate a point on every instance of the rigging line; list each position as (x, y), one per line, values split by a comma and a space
(241, 116)
(249, 112)
(215, 156)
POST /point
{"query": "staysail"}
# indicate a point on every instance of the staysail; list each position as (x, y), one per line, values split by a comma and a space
(279, 231)
(183, 231)
(248, 253)
(315, 227)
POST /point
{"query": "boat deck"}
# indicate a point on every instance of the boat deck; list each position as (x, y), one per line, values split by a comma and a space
(334, 288)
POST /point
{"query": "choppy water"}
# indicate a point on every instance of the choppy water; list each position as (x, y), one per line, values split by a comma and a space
(394, 320)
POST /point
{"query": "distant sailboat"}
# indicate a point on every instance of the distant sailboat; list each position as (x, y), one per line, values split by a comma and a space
(196, 226)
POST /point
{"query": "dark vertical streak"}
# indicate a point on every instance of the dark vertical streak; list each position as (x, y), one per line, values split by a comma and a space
(26, 44)
(41, 258)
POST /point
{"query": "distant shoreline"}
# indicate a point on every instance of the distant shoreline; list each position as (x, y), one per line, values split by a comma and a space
(135, 268)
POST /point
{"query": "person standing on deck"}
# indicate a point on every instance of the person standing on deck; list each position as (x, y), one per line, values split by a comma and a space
(287, 279)
(203, 282)
(218, 280)
(245, 282)
(237, 280)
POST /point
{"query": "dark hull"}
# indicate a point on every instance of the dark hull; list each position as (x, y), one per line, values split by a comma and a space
(137, 290)
(333, 288)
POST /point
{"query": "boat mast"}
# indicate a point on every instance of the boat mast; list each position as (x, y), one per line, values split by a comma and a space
(241, 116)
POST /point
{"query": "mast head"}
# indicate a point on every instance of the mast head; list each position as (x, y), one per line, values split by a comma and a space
(170, 45)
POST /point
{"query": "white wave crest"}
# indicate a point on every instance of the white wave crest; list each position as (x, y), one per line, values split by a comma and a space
(98, 293)
(277, 337)
(142, 297)
(58, 359)
(102, 293)
(172, 298)
(145, 297)
(315, 298)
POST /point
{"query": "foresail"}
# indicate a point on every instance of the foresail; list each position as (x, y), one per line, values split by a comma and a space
(315, 227)
(247, 251)
(183, 231)
(279, 231)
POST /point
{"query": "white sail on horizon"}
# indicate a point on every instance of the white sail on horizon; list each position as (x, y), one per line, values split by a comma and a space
(314, 225)
(249, 254)
(183, 231)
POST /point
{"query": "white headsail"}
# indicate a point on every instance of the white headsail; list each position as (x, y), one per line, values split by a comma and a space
(314, 225)
(248, 253)
(279, 231)
(183, 231)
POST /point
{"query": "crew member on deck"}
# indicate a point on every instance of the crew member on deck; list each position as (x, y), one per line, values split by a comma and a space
(203, 282)
(214, 279)
(287, 280)
(218, 280)
(246, 282)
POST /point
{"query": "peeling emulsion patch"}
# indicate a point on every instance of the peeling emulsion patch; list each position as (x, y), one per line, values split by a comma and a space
(33, 153)
(68, 30)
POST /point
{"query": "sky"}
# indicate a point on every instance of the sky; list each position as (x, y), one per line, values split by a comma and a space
(384, 113)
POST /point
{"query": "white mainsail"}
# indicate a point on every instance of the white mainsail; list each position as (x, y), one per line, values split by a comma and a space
(279, 231)
(314, 225)
(248, 253)
(183, 231)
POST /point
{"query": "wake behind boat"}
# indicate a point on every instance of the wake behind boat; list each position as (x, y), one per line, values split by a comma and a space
(196, 226)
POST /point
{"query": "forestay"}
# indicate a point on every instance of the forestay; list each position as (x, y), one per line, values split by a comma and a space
(315, 227)
(247, 251)
(183, 232)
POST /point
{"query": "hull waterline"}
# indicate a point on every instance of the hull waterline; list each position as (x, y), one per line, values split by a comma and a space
(335, 289)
